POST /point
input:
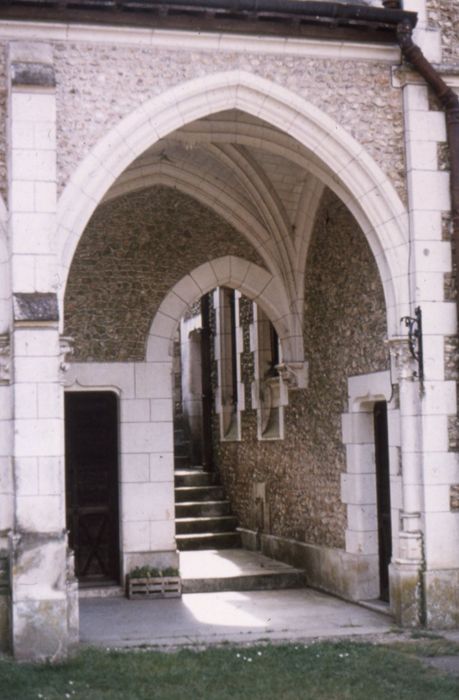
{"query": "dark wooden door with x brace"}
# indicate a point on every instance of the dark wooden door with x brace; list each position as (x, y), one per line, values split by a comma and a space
(91, 452)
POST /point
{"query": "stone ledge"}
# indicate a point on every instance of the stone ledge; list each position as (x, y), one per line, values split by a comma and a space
(349, 576)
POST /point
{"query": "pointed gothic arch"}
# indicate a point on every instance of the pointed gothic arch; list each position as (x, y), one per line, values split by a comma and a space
(370, 190)
(250, 279)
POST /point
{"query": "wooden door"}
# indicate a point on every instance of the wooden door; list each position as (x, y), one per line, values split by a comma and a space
(91, 452)
(383, 496)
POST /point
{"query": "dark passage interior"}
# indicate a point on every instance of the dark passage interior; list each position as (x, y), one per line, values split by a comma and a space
(91, 453)
(383, 496)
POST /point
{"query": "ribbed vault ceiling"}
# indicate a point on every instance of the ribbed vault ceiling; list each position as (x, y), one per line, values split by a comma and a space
(258, 178)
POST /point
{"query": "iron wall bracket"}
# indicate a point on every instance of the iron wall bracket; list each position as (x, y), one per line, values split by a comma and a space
(414, 325)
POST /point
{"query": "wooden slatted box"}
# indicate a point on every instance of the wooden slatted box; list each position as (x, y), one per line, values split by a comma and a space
(160, 587)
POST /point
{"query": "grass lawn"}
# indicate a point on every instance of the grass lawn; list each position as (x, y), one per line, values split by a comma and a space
(320, 671)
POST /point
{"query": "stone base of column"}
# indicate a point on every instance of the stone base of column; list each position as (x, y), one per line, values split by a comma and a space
(40, 629)
(5, 602)
(442, 598)
(405, 593)
(73, 603)
(44, 597)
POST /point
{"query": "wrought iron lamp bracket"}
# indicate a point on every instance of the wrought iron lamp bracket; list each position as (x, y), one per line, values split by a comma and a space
(414, 326)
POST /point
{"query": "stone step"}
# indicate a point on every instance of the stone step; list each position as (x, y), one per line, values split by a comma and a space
(377, 605)
(254, 582)
(198, 493)
(202, 509)
(208, 540)
(190, 526)
(192, 477)
(210, 571)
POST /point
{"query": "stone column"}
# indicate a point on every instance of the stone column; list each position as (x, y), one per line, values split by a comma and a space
(430, 273)
(38, 542)
(406, 568)
(6, 481)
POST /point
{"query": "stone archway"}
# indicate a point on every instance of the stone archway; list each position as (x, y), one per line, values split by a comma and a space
(365, 189)
(147, 499)
(338, 162)
(229, 271)
(363, 186)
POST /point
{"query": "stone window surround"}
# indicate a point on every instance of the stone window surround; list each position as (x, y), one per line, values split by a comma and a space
(191, 377)
(254, 282)
(229, 413)
(267, 393)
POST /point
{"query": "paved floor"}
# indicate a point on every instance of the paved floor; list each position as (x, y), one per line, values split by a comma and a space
(212, 618)
(235, 616)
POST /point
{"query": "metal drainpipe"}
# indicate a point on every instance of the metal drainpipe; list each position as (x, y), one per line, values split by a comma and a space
(450, 102)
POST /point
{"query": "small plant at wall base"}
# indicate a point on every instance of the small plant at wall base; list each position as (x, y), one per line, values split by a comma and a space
(152, 572)
(151, 582)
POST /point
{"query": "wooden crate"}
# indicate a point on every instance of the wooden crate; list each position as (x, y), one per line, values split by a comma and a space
(161, 587)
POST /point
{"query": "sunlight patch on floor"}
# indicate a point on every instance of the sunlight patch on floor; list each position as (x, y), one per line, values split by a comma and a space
(226, 612)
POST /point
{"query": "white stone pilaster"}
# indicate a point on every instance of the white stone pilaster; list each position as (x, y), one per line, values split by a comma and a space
(406, 567)
(411, 457)
(6, 441)
(427, 473)
(32, 171)
(40, 580)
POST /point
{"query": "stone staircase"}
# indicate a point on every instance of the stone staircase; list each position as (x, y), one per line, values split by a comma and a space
(182, 442)
(212, 559)
(203, 518)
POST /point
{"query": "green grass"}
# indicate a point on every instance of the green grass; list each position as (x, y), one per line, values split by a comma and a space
(428, 647)
(321, 671)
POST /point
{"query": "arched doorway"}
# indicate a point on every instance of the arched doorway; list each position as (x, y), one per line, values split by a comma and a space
(221, 207)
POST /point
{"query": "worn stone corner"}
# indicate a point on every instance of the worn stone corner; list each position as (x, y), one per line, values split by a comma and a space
(35, 307)
(5, 358)
(33, 74)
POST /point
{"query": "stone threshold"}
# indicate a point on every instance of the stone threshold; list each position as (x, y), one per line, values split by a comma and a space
(376, 605)
(103, 591)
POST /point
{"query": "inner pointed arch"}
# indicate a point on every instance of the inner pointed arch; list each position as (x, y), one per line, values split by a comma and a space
(254, 282)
